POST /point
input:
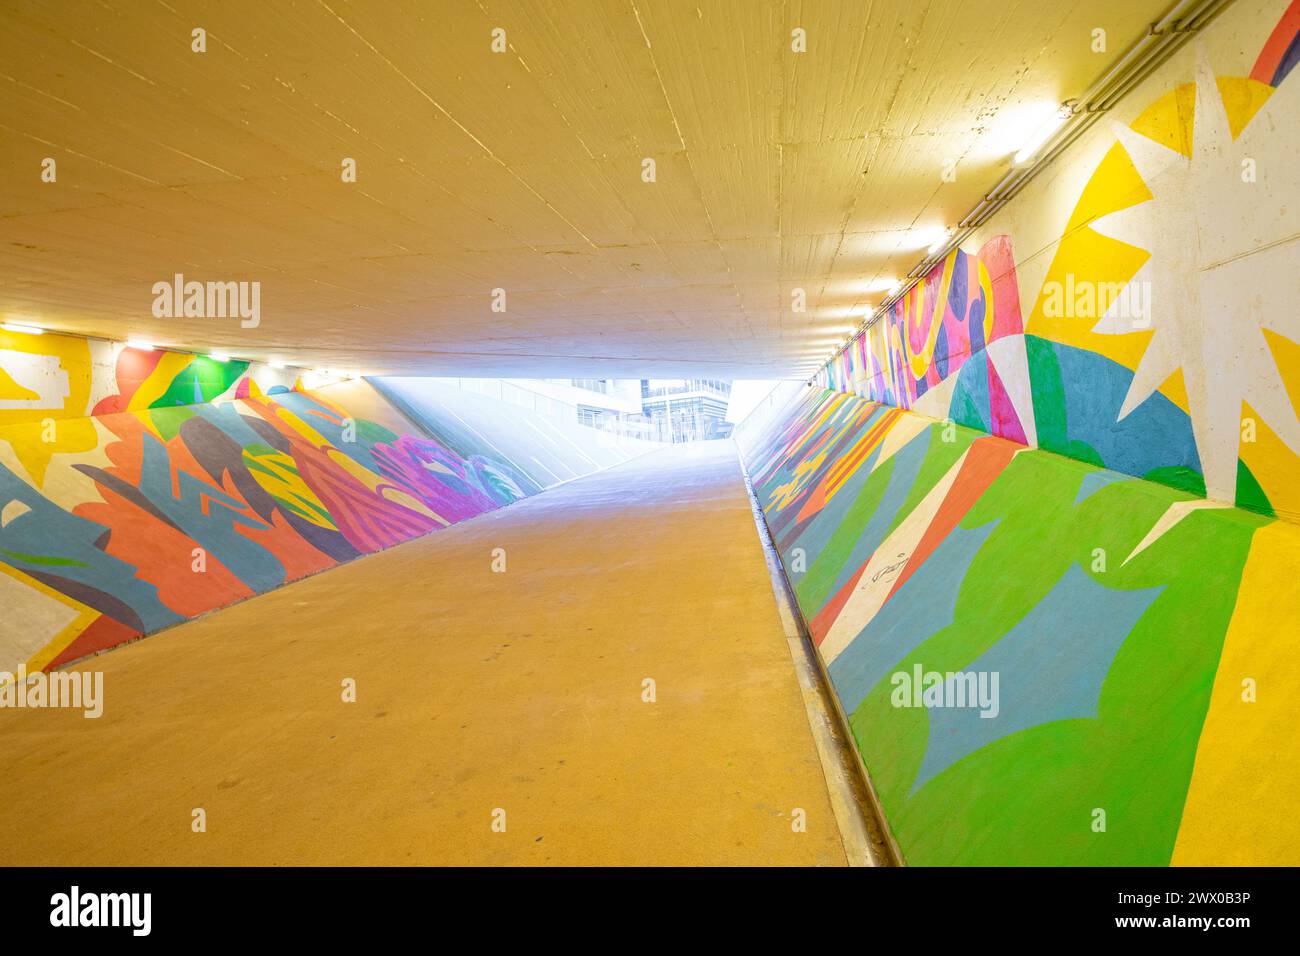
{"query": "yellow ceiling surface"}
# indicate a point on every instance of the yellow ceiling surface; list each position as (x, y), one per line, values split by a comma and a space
(521, 170)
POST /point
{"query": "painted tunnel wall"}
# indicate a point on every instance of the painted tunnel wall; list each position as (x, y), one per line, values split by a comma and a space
(1135, 307)
(1143, 639)
(139, 489)
(1071, 458)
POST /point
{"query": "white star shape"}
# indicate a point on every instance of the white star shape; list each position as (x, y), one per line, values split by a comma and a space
(1224, 264)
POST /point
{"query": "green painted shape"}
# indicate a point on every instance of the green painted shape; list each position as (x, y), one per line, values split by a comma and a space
(1082, 451)
(964, 411)
(1049, 394)
(168, 421)
(1249, 493)
(1027, 799)
(201, 381)
(372, 433)
(44, 560)
(1179, 476)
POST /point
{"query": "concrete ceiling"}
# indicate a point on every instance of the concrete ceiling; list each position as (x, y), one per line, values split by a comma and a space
(519, 170)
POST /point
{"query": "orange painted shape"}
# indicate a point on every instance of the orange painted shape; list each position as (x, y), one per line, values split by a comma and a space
(846, 465)
(985, 460)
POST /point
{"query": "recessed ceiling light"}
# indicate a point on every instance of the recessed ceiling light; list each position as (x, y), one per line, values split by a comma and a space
(1043, 134)
(939, 242)
(219, 356)
(24, 329)
(276, 364)
(140, 344)
(926, 236)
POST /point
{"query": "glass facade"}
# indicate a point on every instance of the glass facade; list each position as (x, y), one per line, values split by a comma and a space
(682, 410)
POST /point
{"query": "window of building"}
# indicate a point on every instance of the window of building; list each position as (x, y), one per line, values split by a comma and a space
(594, 417)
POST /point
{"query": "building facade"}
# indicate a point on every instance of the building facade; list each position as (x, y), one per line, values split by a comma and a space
(681, 410)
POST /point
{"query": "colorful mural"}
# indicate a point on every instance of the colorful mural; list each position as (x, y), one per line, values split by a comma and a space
(138, 489)
(961, 323)
(1163, 340)
(1104, 609)
(1041, 518)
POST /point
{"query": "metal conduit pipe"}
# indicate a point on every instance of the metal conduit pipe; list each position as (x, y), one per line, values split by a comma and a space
(1161, 40)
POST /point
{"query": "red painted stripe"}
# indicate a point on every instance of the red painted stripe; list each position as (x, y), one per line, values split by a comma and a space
(821, 623)
(1279, 41)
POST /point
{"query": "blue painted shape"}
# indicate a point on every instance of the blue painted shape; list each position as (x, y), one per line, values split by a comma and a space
(83, 570)
(1094, 481)
(1051, 667)
(941, 352)
(226, 417)
(1156, 434)
(957, 290)
(208, 515)
(924, 605)
(975, 323)
(319, 417)
(1289, 59)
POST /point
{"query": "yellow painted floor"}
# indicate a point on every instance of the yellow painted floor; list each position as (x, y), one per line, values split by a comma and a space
(475, 691)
